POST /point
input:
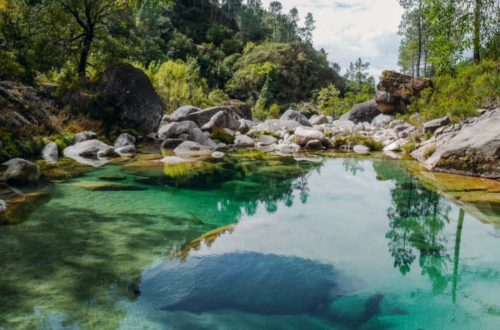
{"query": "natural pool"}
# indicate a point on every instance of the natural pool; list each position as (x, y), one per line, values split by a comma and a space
(257, 242)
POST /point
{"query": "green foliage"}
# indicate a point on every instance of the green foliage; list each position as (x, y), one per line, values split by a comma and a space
(178, 83)
(357, 139)
(287, 73)
(459, 96)
(222, 136)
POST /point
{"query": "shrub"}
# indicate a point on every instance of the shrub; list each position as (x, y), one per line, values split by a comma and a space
(461, 95)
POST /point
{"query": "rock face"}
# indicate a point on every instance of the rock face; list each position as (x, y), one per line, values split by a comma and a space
(473, 150)
(50, 153)
(395, 90)
(382, 120)
(184, 130)
(133, 98)
(20, 171)
(182, 112)
(362, 112)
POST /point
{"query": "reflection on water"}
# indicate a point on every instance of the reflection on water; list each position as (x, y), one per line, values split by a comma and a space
(266, 242)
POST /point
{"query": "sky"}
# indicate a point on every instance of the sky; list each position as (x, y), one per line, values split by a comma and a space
(348, 29)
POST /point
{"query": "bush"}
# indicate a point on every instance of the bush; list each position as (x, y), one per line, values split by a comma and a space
(461, 95)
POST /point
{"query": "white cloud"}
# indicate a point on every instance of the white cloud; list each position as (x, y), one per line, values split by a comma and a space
(348, 29)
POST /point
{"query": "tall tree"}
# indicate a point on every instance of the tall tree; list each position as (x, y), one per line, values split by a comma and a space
(90, 16)
(275, 8)
(308, 29)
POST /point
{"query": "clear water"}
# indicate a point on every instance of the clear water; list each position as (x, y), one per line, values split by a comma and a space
(340, 244)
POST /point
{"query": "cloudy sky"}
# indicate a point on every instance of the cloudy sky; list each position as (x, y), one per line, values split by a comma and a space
(348, 29)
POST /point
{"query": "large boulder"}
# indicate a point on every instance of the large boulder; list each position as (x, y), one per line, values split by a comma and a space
(243, 141)
(50, 153)
(362, 112)
(296, 116)
(186, 130)
(222, 119)
(395, 90)
(21, 171)
(305, 134)
(202, 117)
(133, 99)
(473, 150)
(382, 120)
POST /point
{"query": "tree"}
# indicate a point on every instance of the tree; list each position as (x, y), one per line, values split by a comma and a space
(90, 16)
(275, 8)
(358, 78)
(308, 29)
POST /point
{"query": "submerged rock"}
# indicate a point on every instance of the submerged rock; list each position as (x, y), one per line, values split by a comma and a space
(21, 171)
(107, 186)
(50, 153)
(251, 282)
(20, 206)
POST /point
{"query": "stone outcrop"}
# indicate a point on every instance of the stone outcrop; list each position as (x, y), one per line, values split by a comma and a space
(295, 116)
(395, 90)
(472, 150)
(128, 91)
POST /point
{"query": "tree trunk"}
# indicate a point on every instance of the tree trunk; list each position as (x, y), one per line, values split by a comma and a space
(419, 32)
(456, 258)
(477, 31)
(84, 53)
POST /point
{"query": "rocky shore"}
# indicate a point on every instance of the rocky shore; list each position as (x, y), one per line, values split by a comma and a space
(471, 147)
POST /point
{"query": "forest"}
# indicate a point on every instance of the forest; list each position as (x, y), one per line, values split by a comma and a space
(207, 52)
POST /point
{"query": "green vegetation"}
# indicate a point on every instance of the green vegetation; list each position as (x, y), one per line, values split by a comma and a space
(460, 95)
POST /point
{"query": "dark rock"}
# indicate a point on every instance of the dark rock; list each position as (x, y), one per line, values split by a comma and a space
(362, 112)
(132, 96)
(21, 171)
(314, 144)
(395, 90)
(171, 143)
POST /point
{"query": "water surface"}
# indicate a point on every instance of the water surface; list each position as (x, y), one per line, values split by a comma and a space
(336, 244)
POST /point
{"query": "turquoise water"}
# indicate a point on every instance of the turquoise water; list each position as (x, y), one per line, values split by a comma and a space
(334, 244)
